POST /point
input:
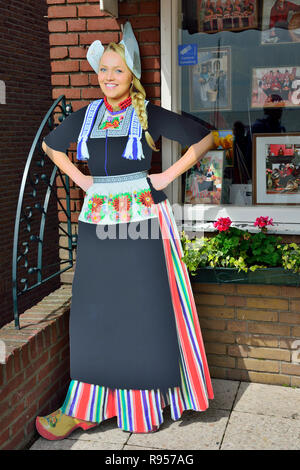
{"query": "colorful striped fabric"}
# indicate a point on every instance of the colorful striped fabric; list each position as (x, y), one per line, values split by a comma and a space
(140, 410)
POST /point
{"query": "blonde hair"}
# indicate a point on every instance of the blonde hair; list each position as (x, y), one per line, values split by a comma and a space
(138, 97)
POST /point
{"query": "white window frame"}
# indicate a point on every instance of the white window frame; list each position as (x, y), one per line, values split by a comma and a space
(286, 218)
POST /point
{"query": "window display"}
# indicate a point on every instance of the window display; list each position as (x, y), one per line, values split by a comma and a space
(245, 80)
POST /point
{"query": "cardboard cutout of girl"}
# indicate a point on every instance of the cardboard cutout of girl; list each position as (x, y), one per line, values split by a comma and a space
(135, 339)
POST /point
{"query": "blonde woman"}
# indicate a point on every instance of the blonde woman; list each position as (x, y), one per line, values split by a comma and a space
(135, 339)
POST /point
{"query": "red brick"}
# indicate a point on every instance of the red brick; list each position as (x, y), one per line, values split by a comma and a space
(93, 79)
(61, 39)
(151, 77)
(90, 10)
(150, 63)
(128, 8)
(35, 365)
(14, 383)
(49, 2)
(70, 93)
(28, 415)
(57, 26)
(22, 391)
(102, 24)
(17, 361)
(57, 348)
(79, 80)
(4, 436)
(58, 53)
(138, 22)
(16, 442)
(37, 392)
(12, 415)
(149, 36)
(90, 93)
(77, 52)
(48, 369)
(9, 368)
(235, 301)
(105, 38)
(62, 12)
(60, 80)
(65, 66)
(85, 67)
(150, 7)
(77, 25)
(147, 50)
(287, 291)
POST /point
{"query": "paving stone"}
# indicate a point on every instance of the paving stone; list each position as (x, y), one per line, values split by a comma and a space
(194, 430)
(107, 431)
(71, 444)
(129, 448)
(224, 393)
(266, 399)
(248, 431)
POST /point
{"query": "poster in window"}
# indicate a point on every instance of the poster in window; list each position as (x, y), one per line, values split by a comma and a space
(281, 81)
(210, 80)
(226, 15)
(280, 22)
(204, 182)
(276, 165)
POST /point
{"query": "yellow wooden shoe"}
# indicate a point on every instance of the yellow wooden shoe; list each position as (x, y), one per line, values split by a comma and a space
(58, 426)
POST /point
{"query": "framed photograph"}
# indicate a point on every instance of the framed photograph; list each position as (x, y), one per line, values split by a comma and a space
(226, 15)
(280, 22)
(210, 80)
(229, 156)
(204, 182)
(282, 81)
(276, 168)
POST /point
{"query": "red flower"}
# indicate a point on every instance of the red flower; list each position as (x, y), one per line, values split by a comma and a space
(262, 222)
(122, 203)
(222, 224)
(146, 199)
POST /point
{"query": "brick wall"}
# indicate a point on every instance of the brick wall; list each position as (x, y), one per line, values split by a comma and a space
(25, 70)
(249, 331)
(36, 374)
(73, 26)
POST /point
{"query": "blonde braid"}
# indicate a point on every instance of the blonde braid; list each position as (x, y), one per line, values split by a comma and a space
(138, 102)
(138, 97)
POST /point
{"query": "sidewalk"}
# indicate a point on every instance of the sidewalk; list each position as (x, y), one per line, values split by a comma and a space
(243, 415)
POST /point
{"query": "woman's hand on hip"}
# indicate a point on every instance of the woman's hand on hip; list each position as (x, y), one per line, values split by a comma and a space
(86, 182)
(159, 181)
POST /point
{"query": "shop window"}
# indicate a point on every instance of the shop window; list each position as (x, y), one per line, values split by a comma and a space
(239, 73)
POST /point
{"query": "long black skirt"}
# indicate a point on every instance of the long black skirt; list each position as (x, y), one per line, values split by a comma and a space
(122, 325)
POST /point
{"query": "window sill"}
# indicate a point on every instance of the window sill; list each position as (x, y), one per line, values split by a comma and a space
(200, 217)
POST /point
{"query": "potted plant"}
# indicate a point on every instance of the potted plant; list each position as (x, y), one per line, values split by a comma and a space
(236, 255)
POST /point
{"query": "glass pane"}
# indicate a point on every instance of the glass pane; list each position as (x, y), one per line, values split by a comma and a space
(239, 72)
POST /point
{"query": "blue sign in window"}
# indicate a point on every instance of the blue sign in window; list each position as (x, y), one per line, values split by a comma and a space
(187, 54)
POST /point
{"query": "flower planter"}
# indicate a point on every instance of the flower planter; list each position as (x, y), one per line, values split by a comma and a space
(275, 276)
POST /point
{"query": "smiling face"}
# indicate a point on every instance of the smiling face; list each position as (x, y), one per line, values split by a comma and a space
(114, 77)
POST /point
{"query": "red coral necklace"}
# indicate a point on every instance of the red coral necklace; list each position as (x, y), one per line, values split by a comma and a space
(122, 105)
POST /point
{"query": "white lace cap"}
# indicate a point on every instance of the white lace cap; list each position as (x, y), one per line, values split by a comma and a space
(132, 53)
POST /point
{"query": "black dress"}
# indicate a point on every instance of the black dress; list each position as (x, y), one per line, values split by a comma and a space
(124, 334)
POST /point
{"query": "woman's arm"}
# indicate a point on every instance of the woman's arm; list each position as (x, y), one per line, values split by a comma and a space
(61, 160)
(194, 153)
